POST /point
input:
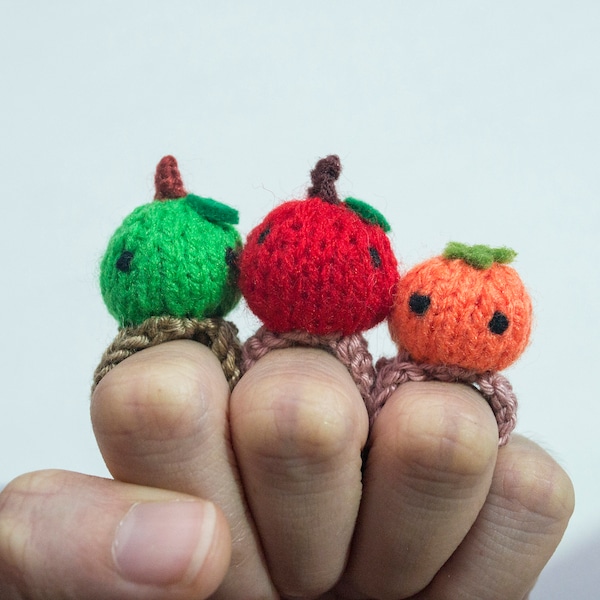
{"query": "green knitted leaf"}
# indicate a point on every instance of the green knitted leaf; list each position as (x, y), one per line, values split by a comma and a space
(367, 212)
(479, 255)
(213, 211)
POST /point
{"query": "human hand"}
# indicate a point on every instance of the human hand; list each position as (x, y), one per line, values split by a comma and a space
(440, 512)
(66, 535)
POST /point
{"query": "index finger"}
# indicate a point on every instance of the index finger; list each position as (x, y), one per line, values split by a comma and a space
(161, 420)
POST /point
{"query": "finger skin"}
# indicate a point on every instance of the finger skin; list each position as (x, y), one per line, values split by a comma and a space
(427, 476)
(161, 420)
(298, 425)
(57, 540)
(527, 511)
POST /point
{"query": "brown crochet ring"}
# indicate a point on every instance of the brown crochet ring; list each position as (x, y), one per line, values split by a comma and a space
(495, 388)
(216, 333)
(351, 350)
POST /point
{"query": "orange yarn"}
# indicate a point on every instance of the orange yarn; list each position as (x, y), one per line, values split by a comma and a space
(460, 306)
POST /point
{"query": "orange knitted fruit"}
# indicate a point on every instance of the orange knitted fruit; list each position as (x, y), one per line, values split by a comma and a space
(459, 309)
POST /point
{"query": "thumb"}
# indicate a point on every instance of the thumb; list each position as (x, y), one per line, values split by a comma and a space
(65, 535)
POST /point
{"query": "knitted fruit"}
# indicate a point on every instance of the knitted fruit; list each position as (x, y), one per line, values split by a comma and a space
(459, 317)
(320, 265)
(319, 272)
(170, 273)
(171, 256)
(466, 308)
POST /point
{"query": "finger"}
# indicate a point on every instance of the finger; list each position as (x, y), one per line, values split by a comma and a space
(527, 511)
(160, 418)
(427, 476)
(65, 535)
(298, 425)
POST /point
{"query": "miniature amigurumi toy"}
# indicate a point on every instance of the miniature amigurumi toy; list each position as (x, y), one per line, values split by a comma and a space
(460, 317)
(170, 272)
(318, 272)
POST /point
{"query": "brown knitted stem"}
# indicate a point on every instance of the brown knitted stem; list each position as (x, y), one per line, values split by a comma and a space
(495, 388)
(323, 177)
(219, 335)
(351, 350)
(167, 180)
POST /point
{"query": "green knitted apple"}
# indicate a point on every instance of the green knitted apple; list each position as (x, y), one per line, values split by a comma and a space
(175, 256)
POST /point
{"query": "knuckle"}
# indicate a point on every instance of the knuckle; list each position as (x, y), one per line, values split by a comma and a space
(19, 519)
(155, 404)
(37, 483)
(447, 437)
(538, 485)
(296, 421)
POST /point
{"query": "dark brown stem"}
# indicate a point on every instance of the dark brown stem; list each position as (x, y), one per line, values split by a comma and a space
(323, 177)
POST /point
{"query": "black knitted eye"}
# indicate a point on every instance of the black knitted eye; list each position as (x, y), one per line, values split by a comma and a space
(375, 257)
(498, 323)
(231, 257)
(264, 233)
(419, 303)
(124, 261)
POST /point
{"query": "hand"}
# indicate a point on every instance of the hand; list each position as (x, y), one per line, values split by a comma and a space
(435, 485)
(283, 461)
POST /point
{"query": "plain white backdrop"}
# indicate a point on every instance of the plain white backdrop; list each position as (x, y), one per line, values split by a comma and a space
(470, 121)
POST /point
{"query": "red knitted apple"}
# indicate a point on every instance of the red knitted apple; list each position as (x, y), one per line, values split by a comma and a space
(320, 265)
(318, 271)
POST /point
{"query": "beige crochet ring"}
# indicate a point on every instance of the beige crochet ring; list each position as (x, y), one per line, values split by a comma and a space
(217, 334)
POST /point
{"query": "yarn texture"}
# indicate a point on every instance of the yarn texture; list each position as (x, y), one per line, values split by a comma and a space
(462, 302)
(170, 272)
(351, 350)
(319, 266)
(217, 334)
(318, 272)
(460, 317)
(168, 259)
(493, 386)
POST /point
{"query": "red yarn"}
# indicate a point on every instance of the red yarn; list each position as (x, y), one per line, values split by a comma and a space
(318, 267)
(167, 180)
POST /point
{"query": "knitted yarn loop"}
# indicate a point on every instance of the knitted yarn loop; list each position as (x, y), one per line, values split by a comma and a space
(217, 334)
(493, 386)
(351, 350)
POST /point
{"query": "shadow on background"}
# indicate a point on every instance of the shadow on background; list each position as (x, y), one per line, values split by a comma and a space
(575, 576)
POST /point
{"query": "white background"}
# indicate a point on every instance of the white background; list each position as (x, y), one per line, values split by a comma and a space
(473, 121)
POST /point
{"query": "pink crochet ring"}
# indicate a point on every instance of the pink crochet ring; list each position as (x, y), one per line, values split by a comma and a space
(494, 387)
(351, 350)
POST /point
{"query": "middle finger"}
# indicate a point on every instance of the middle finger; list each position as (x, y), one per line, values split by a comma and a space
(298, 426)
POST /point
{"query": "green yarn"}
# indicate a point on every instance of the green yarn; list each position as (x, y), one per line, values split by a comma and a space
(479, 256)
(368, 213)
(166, 259)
